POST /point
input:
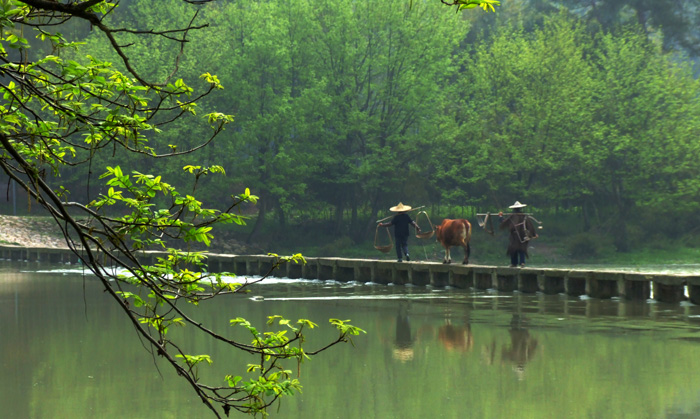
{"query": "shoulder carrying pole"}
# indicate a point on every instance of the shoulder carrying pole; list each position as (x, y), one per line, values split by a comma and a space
(485, 221)
(504, 214)
(391, 216)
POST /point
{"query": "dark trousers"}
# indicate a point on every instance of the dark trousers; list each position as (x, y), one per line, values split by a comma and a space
(517, 257)
(401, 246)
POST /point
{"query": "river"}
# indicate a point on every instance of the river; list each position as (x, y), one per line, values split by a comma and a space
(66, 351)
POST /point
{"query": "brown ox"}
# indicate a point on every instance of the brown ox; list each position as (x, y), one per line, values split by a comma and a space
(455, 233)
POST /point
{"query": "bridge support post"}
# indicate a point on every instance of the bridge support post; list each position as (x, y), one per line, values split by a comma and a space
(247, 265)
(602, 285)
(669, 289)
(528, 281)
(240, 267)
(265, 266)
(553, 282)
(216, 263)
(363, 271)
(400, 273)
(635, 287)
(575, 282)
(326, 269)
(419, 275)
(694, 289)
(506, 279)
(439, 275)
(461, 276)
(383, 272)
(295, 270)
(345, 270)
(310, 269)
(483, 278)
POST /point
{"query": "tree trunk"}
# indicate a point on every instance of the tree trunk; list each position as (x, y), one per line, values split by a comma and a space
(371, 222)
(338, 229)
(258, 223)
(281, 218)
(356, 232)
(620, 229)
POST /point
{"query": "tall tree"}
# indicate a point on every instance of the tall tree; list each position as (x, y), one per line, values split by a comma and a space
(387, 75)
(646, 116)
(565, 119)
(523, 115)
(266, 57)
(330, 100)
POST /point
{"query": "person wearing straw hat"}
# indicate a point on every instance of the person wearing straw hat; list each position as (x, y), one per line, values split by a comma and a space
(521, 229)
(401, 221)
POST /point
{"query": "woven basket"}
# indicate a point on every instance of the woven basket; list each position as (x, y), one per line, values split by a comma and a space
(383, 248)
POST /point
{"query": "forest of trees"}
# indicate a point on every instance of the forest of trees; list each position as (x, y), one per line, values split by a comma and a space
(589, 111)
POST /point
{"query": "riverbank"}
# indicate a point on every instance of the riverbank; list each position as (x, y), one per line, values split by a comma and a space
(31, 231)
(42, 231)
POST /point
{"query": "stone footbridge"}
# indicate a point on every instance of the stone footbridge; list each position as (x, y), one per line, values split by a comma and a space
(669, 288)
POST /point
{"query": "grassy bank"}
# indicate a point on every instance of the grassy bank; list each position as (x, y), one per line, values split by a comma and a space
(490, 250)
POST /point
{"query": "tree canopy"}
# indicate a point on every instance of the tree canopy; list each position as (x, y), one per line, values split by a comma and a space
(344, 112)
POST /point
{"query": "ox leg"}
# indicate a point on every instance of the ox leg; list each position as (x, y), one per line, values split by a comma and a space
(447, 256)
(467, 251)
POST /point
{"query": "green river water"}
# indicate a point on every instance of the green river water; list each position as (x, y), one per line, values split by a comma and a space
(66, 351)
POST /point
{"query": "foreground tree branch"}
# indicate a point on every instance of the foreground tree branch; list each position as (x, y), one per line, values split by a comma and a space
(58, 113)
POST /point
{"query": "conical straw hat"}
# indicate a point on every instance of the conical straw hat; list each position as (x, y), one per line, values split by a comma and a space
(400, 208)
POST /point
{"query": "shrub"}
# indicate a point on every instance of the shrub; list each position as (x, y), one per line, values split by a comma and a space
(588, 245)
(336, 247)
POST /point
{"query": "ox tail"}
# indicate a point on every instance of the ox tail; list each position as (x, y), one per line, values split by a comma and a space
(469, 237)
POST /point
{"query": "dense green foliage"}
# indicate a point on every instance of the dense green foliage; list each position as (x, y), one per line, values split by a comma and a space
(342, 112)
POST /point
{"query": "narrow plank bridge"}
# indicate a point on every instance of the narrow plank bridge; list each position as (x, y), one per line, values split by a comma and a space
(667, 288)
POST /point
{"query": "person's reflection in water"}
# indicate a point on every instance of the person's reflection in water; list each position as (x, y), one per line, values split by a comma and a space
(403, 345)
(522, 347)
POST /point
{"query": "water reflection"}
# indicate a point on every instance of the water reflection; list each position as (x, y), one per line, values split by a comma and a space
(403, 344)
(67, 353)
(518, 351)
(456, 337)
(522, 346)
